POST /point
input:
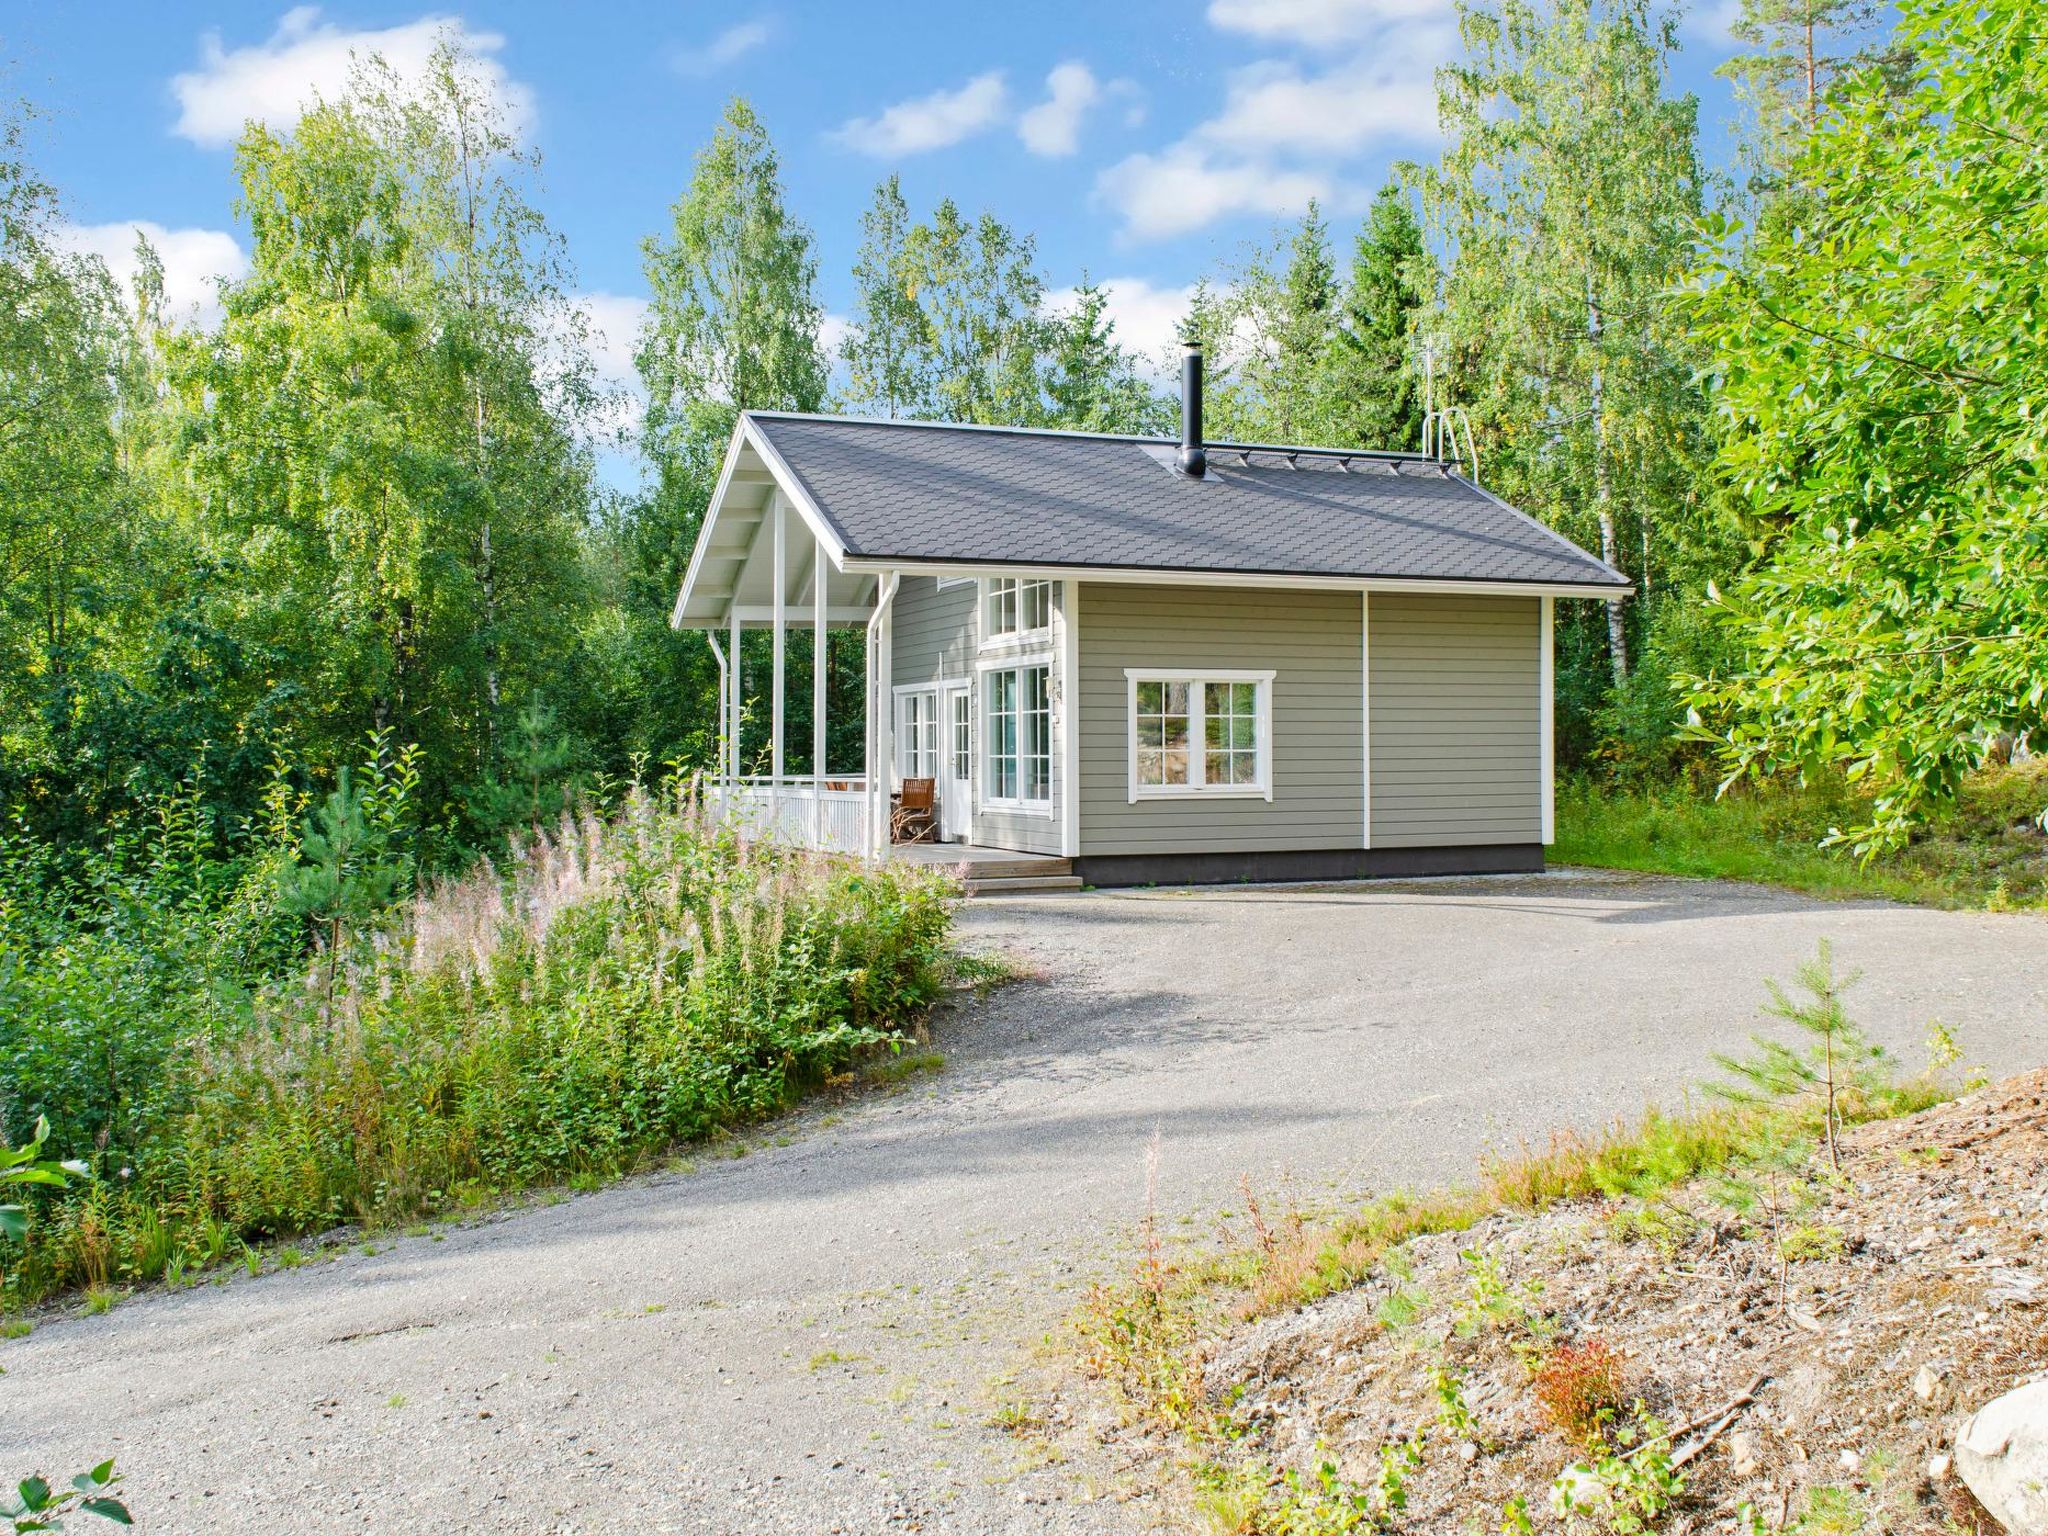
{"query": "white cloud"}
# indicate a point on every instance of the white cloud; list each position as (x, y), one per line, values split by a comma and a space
(1186, 187)
(1289, 130)
(832, 332)
(731, 45)
(1323, 22)
(306, 59)
(194, 260)
(1382, 94)
(614, 320)
(1714, 23)
(928, 122)
(1147, 316)
(1053, 127)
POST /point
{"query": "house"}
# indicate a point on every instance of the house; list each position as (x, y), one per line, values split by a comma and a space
(1131, 660)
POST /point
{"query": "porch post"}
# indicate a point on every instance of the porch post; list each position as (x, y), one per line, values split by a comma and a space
(878, 744)
(884, 707)
(781, 642)
(820, 659)
(732, 725)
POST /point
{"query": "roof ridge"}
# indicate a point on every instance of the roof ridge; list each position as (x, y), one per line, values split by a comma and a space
(1400, 455)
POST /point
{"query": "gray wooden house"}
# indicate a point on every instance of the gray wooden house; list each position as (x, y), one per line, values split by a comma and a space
(1131, 660)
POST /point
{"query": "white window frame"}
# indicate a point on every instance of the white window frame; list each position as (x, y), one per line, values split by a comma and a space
(1012, 639)
(1198, 731)
(904, 745)
(984, 724)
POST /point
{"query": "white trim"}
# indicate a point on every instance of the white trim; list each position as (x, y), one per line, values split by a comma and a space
(732, 458)
(985, 758)
(1003, 662)
(953, 581)
(1262, 757)
(880, 639)
(1547, 674)
(778, 721)
(902, 694)
(949, 689)
(1014, 640)
(821, 670)
(1180, 578)
(1365, 703)
(746, 435)
(1067, 713)
(786, 480)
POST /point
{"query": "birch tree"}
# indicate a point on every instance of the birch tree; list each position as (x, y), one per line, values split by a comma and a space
(1565, 203)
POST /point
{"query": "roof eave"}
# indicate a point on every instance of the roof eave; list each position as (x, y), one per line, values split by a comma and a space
(1219, 576)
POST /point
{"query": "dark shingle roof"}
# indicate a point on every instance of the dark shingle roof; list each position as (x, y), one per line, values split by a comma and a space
(979, 496)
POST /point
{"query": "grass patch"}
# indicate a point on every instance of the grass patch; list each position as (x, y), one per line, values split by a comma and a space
(1990, 852)
(900, 1068)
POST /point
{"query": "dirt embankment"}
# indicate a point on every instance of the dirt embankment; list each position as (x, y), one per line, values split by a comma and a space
(1806, 1341)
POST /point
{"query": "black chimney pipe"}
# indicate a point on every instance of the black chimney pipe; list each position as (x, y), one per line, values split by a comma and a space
(1194, 461)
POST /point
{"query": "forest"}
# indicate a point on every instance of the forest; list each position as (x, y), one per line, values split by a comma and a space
(304, 612)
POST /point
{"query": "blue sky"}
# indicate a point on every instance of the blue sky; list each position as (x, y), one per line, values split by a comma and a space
(1142, 141)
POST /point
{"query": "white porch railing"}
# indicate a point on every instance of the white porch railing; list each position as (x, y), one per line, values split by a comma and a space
(797, 809)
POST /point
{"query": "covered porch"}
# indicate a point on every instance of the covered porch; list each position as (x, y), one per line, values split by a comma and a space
(765, 562)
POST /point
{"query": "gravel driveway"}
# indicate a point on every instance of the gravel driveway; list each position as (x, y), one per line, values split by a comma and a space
(804, 1339)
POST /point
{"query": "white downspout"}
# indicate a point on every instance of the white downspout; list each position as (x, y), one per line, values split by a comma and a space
(878, 790)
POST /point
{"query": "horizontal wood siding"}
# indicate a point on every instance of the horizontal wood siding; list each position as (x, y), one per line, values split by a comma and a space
(1456, 720)
(937, 637)
(1311, 641)
(934, 630)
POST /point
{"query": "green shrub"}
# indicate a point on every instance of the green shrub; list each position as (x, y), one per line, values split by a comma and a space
(620, 985)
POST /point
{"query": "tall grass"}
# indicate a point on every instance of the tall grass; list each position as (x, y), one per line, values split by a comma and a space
(616, 986)
(1990, 851)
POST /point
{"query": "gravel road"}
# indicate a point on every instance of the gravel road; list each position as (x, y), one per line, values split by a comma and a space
(809, 1338)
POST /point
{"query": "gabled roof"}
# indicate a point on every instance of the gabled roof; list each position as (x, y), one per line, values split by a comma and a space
(909, 494)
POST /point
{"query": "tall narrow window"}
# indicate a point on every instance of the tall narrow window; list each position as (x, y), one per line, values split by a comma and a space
(917, 734)
(963, 737)
(1200, 733)
(1018, 711)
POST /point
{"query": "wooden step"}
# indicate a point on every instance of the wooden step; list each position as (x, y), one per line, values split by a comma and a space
(1015, 885)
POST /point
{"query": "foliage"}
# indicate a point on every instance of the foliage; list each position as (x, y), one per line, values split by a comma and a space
(1837, 1060)
(618, 987)
(1990, 851)
(383, 433)
(1879, 366)
(732, 324)
(1629, 1482)
(26, 1165)
(36, 1506)
(1567, 197)
(1580, 1384)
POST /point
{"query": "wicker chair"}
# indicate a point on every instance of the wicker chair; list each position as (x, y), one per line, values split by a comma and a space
(915, 816)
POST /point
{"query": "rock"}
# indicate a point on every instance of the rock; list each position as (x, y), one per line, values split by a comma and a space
(1925, 1380)
(2002, 1454)
(1742, 1461)
(1938, 1467)
(1468, 1453)
(1578, 1489)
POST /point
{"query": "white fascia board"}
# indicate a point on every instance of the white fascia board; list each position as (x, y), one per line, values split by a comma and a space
(698, 554)
(746, 435)
(786, 478)
(1178, 578)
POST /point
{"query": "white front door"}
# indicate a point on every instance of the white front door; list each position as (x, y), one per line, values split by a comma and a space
(956, 767)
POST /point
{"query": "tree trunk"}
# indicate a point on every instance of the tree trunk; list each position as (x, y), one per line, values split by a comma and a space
(1603, 492)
